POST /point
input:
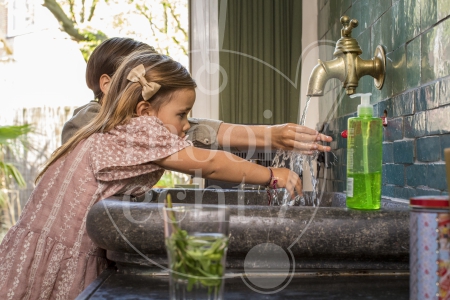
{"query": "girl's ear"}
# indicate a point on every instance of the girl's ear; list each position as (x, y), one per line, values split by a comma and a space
(104, 82)
(144, 109)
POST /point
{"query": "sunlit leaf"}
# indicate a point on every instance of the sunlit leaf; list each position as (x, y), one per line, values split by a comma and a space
(16, 175)
(8, 133)
(9, 136)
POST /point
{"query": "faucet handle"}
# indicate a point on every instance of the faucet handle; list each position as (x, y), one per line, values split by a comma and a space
(348, 26)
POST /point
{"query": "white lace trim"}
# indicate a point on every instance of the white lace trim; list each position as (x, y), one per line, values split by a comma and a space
(23, 258)
(7, 264)
(55, 209)
(69, 273)
(52, 271)
(44, 195)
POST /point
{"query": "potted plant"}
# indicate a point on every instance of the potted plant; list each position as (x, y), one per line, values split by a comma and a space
(11, 138)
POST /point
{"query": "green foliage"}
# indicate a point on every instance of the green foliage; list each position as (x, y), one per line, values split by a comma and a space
(93, 39)
(196, 258)
(163, 16)
(166, 180)
(10, 133)
(3, 200)
(8, 171)
(170, 179)
(8, 137)
(75, 19)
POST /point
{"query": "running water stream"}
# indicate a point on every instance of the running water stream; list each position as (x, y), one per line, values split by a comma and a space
(294, 161)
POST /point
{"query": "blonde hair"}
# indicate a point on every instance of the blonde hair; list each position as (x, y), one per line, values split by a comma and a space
(120, 102)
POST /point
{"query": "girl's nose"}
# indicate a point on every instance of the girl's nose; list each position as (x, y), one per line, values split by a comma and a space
(186, 126)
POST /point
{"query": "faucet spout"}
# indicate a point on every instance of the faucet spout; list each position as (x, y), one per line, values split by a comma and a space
(323, 72)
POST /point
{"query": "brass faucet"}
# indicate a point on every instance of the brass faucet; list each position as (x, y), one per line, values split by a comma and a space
(348, 67)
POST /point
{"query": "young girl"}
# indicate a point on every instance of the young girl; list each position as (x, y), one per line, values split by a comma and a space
(100, 67)
(139, 132)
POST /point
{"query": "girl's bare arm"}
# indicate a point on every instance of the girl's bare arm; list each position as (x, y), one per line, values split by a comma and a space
(220, 165)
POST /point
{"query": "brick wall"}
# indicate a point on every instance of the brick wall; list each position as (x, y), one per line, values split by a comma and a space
(415, 96)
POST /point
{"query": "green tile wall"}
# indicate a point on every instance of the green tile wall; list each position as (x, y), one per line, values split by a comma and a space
(415, 96)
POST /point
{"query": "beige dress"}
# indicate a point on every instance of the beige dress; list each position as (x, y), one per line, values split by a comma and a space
(48, 254)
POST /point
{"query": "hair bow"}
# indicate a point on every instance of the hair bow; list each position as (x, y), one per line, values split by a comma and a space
(137, 74)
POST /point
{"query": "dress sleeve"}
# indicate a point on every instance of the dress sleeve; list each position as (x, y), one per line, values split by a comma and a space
(129, 150)
(203, 132)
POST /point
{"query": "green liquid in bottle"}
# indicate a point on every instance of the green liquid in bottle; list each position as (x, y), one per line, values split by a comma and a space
(365, 190)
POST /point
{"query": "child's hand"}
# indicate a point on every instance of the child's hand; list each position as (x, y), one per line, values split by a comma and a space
(287, 179)
(299, 138)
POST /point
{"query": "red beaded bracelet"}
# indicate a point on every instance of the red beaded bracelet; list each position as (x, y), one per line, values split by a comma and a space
(267, 185)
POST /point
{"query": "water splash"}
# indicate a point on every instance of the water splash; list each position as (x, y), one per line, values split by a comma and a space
(294, 161)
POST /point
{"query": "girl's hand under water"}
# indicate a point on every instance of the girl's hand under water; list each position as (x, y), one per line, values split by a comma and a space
(288, 179)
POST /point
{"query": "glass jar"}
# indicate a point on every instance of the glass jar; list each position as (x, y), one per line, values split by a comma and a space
(429, 258)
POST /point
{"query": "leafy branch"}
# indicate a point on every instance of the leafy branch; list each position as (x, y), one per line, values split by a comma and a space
(87, 38)
(168, 13)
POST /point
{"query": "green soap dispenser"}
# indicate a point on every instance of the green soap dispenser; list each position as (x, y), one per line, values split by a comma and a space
(364, 157)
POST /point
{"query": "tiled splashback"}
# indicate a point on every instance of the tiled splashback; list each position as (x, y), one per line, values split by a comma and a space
(415, 96)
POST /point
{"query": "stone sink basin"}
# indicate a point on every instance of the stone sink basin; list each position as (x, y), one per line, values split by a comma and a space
(325, 237)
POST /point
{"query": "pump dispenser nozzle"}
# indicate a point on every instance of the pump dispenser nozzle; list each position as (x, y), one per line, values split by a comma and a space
(364, 109)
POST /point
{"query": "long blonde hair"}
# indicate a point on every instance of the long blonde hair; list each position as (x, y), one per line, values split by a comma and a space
(120, 102)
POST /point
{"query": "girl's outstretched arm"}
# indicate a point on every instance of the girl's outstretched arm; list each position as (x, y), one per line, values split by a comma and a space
(284, 136)
(221, 165)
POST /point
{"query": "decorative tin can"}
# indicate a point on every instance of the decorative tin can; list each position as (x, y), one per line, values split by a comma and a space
(429, 257)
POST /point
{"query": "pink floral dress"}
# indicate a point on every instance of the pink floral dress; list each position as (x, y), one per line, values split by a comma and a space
(48, 254)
